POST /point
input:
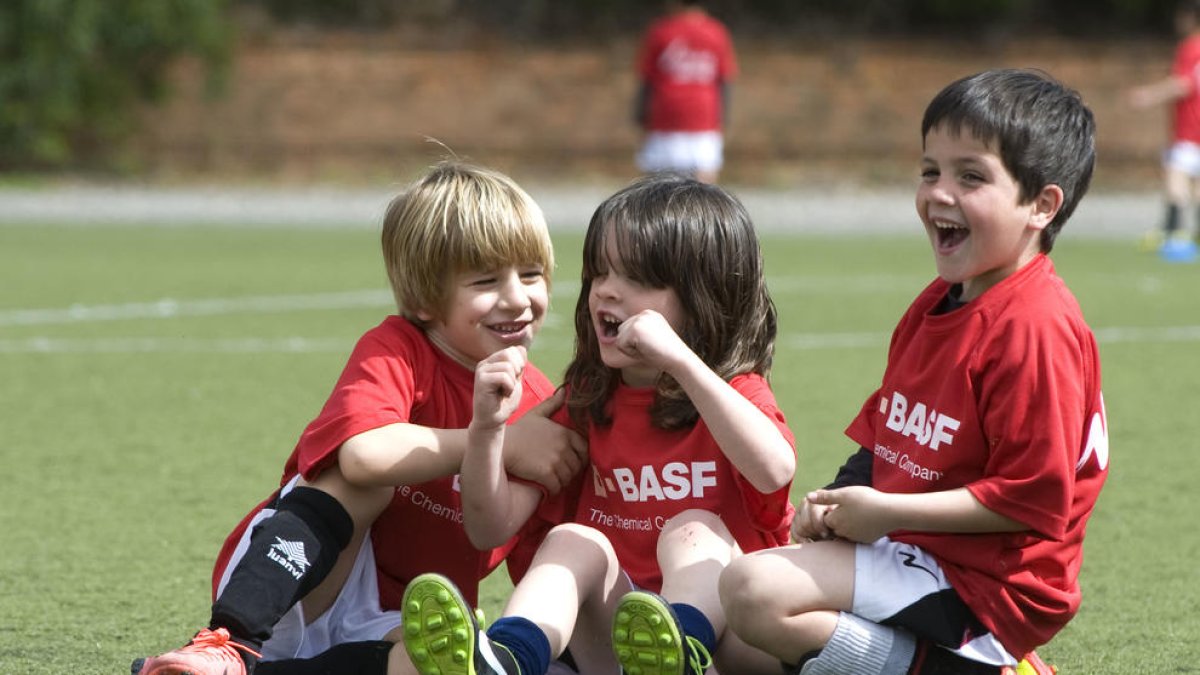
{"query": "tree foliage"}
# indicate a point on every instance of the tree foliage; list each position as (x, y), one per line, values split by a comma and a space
(72, 71)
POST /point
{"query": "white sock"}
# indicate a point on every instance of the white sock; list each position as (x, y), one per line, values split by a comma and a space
(864, 648)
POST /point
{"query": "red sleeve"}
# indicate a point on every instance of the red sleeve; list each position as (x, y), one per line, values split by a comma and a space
(375, 389)
(1032, 394)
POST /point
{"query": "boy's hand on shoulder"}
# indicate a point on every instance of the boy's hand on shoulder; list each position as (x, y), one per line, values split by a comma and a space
(857, 512)
(543, 451)
(498, 387)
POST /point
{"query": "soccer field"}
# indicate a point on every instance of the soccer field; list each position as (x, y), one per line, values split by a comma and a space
(155, 378)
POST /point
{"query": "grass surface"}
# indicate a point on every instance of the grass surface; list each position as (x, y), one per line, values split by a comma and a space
(154, 380)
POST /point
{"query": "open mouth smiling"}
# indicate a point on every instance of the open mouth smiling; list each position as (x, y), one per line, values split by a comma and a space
(508, 328)
(949, 234)
(607, 324)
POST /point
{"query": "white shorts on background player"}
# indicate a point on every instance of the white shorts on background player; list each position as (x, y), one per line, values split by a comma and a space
(687, 151)
(1183, 156)
(354, 617)
(890, 576)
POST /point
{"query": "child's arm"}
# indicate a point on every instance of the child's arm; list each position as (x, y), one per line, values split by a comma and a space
(751, 441)
(1168, 89)
(864, 514)
(493, 507)
(407, 454)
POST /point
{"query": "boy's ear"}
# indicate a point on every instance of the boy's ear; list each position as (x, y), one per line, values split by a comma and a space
(1045, 206)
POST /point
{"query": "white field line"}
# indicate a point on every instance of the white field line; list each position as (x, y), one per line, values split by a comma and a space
(564, 290)
(305, 345)
(169, 308)
(150, 345)
(1109, 335)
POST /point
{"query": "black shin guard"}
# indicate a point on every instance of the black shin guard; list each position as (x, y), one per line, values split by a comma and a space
(362, 658)
(290, 553)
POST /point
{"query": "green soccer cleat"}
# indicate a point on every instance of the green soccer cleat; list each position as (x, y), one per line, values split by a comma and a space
(648, 640)
(442, 634)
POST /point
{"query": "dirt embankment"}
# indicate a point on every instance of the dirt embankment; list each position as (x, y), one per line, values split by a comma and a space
(341, 108)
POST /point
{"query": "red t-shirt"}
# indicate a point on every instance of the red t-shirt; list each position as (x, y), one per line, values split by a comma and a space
(396, 375)
(1001, 396)
(640, 476)
(683, 58)
(1186, 118)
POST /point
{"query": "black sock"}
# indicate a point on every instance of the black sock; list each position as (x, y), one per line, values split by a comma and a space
(361, 658)
(1172, 220)
(290, 553)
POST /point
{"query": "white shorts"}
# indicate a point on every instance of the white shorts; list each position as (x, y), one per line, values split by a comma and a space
(686, 151)
(355, 615)
(1183, 156)
(901, 585)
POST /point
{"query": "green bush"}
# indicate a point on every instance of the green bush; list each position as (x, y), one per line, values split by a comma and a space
(73, 71)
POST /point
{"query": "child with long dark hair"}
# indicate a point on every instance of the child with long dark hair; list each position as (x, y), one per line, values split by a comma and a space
(691, 458)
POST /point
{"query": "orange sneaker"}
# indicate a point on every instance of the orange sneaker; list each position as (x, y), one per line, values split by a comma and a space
(211, 652)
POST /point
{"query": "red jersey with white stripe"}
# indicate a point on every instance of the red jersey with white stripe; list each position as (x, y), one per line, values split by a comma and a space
(1000, 396)
(684, 58)
(396, 375)
(640, 476)
(1186, 119)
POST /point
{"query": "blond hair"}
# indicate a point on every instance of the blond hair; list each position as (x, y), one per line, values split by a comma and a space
(457, 218)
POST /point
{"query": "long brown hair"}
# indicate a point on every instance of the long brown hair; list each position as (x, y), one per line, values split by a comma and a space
(697, 239)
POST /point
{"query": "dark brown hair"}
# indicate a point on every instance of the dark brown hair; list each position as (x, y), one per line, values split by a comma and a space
(697, 239)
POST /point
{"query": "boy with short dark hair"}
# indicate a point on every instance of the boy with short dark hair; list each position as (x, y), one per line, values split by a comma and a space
(952, 541)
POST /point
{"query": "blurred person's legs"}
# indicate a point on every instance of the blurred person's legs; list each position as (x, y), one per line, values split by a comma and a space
(697, 153)
(1181, 166)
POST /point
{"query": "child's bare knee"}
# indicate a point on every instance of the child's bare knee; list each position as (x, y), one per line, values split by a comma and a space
(691, 525)
(746, 589)
(576, 540)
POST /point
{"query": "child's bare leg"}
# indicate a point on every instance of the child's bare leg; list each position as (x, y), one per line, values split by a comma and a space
(785, 601)
(738, 658)
(693, 548)
(570, 591)
(399, 662)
